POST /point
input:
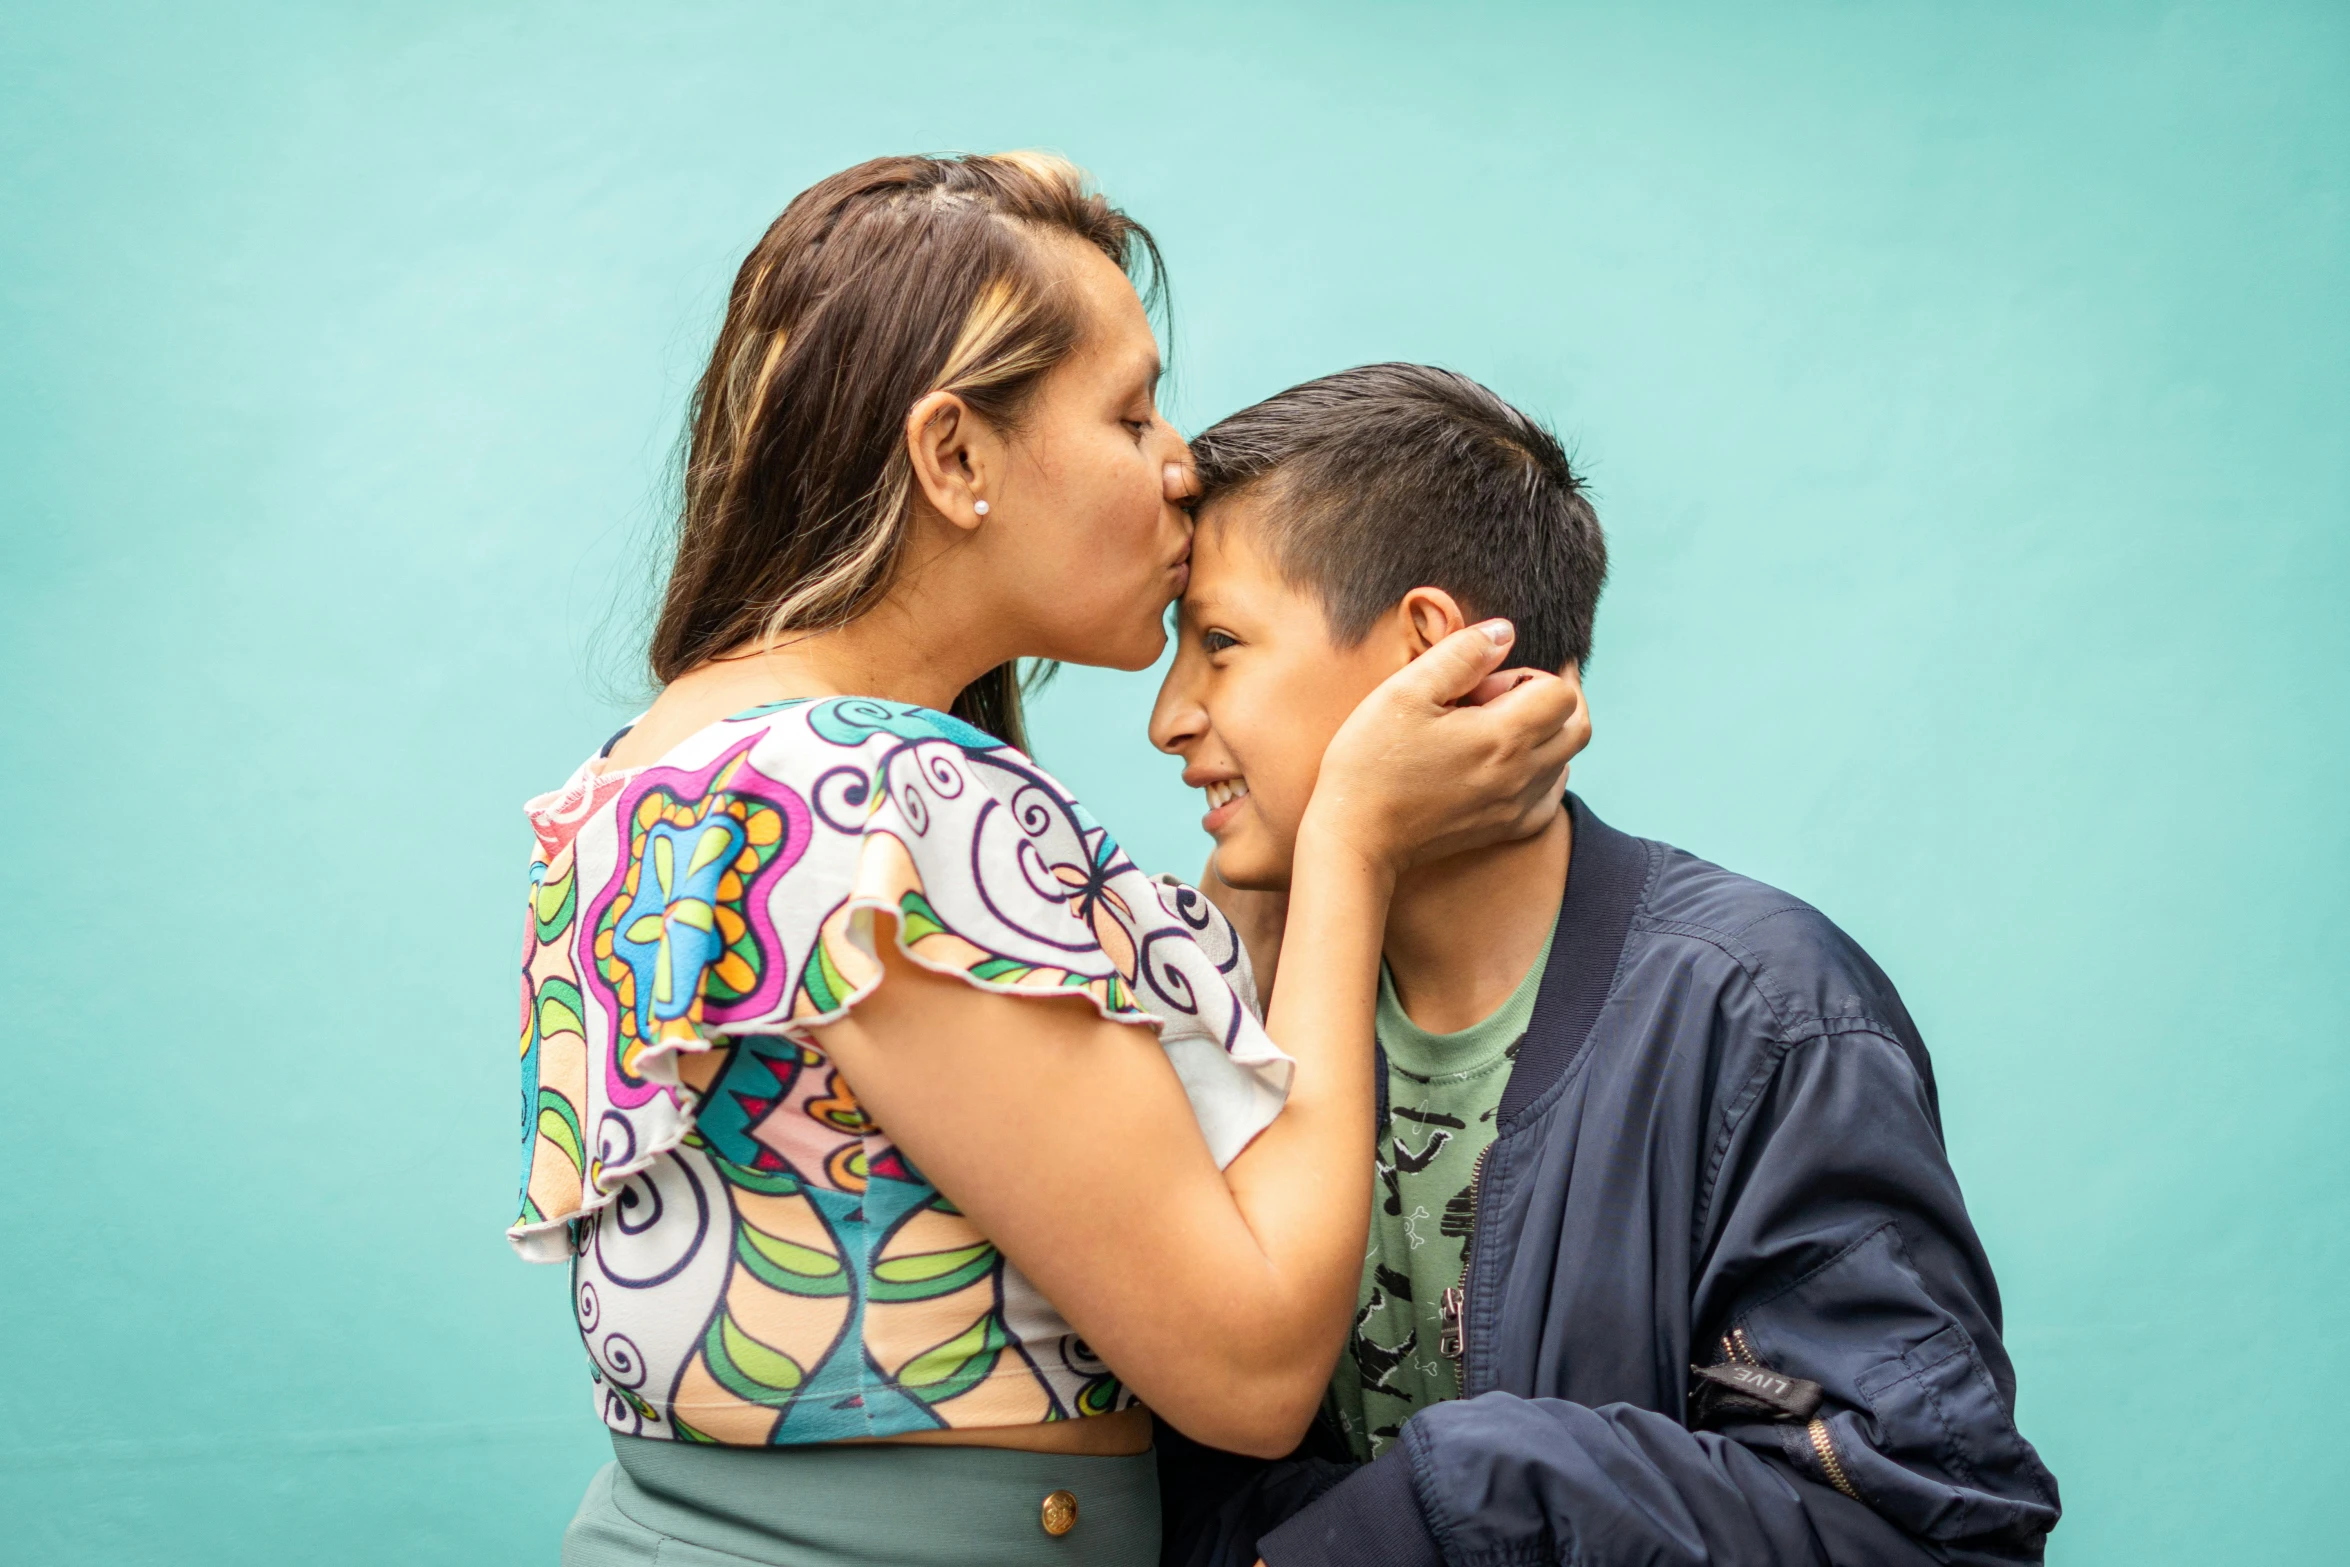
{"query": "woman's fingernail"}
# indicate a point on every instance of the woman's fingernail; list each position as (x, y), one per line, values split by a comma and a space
(1501, 631)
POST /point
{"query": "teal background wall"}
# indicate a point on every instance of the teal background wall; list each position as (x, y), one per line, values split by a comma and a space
(1967, 392)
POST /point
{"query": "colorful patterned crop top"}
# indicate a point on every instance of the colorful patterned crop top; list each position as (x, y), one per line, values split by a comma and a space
(753, 1261)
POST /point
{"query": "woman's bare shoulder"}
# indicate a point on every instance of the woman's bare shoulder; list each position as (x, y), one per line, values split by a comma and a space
(691, 703)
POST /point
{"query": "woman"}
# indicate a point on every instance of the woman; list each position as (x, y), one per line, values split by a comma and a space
(926, 448)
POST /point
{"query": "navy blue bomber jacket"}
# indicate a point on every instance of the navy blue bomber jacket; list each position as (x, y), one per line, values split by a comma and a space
(1719, 1148)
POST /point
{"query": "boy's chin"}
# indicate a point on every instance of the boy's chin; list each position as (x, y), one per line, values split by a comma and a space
(1251, 868)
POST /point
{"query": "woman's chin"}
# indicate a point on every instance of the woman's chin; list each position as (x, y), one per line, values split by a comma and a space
(1133, 656)
(1128, 652)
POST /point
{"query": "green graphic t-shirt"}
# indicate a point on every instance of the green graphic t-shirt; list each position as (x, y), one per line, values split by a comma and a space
(1442, 1093)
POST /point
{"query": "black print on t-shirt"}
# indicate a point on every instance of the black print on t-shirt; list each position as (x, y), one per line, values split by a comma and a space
(1460, 1213)
(1377, 1362)
(1411, 1163)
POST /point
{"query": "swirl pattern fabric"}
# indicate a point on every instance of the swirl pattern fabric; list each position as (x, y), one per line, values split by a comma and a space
(754, 1261)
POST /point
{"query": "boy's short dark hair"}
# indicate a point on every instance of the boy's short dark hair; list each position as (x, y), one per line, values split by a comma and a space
(1389, 477)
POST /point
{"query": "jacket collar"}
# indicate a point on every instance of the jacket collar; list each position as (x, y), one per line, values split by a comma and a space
(1605, 876)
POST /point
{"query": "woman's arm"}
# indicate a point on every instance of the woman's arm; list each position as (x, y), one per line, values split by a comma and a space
(1221, 1298)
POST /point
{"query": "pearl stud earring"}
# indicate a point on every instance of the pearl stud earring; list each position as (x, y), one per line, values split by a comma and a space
(979, 507)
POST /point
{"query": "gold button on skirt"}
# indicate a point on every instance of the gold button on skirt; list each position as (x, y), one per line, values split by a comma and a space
(1060, 1513)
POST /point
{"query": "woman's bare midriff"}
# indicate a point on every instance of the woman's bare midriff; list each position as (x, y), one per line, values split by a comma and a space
(1103, 1436)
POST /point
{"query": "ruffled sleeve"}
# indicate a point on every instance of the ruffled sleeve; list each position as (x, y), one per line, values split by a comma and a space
(733, 890)
(993, 873)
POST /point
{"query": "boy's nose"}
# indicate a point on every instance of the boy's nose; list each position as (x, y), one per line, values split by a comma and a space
(1177, 719)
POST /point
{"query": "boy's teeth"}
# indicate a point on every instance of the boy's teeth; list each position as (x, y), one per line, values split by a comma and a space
(1224, 791)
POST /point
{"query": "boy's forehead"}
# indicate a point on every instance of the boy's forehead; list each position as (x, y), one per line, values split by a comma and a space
(1234, 580)
(1227, 560)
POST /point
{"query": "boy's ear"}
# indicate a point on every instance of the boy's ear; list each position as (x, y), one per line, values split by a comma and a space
(1430, 615)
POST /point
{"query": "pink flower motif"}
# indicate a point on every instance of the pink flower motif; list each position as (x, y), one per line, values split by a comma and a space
(557, 817)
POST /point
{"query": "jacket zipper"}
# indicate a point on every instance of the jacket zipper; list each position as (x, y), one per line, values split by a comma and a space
(1452, 1340)
(1736, 1347)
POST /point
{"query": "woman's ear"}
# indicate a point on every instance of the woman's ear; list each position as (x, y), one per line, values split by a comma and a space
(1430, 615)
(955, 456)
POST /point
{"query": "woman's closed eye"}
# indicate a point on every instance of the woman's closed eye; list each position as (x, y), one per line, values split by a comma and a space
(1141, 413)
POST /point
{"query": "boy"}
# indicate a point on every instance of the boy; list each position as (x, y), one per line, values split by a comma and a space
(1667, 1263)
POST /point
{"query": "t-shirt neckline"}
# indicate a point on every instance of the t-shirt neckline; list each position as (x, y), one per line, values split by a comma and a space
(1483, 1044)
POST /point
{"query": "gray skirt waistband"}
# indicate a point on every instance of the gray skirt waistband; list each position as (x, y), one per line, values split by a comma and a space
(864, 1505)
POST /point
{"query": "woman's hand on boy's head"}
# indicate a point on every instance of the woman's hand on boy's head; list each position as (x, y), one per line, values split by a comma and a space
(1495, 684)
(1437, 760)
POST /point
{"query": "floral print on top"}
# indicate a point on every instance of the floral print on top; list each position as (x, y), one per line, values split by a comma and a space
(754, 1262)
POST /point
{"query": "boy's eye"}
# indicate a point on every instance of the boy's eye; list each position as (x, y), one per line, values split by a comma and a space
(1217, 641)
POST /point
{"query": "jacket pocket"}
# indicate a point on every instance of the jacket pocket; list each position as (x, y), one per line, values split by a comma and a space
(1912, 1424)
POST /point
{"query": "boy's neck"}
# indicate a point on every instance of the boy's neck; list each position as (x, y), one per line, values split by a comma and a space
(1463, 932)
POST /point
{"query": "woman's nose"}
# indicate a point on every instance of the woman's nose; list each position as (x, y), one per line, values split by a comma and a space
(1179, 481)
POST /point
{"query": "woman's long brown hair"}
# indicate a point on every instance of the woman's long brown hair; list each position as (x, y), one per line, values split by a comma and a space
(878, 286)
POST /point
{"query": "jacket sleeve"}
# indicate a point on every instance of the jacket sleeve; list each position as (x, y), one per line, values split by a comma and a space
(1834, 1248)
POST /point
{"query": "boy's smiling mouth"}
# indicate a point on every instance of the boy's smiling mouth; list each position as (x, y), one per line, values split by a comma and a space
(1224, 797)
